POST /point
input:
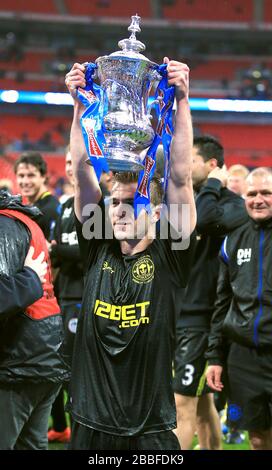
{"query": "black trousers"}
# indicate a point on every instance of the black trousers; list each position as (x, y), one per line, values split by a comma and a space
(25, 410)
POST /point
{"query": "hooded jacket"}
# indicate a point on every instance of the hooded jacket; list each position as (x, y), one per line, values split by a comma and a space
(30, 338)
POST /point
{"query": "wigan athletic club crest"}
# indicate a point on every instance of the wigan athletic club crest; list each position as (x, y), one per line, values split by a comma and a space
(143, 270)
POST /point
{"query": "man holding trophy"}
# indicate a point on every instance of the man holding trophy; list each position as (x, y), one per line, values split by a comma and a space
(120, 393)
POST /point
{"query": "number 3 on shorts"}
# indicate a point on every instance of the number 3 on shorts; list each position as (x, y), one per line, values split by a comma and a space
(188, 376)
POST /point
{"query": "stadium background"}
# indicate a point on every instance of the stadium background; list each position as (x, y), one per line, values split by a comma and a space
(227, 44)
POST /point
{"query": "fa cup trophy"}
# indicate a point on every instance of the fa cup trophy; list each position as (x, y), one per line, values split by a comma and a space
(127, 77)
(118, 125)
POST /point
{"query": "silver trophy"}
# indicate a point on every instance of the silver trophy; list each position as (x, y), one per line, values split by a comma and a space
(126, 78)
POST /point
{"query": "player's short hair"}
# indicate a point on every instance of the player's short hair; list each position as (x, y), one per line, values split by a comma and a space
(156, 189)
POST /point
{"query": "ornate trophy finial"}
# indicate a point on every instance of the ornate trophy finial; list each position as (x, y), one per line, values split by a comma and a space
(134, 26)
(132, 43)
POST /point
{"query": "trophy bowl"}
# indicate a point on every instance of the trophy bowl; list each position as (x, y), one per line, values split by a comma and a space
(126, 78)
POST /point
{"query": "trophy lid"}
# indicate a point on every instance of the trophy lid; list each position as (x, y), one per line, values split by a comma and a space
(131, 47)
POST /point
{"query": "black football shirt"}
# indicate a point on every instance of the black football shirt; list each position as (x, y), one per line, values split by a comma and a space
(122, 364)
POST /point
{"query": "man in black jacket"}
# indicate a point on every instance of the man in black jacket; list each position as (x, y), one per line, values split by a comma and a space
(31, 368)
(218, 212)
(243, 316)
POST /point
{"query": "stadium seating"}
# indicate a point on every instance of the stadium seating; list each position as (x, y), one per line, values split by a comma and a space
(13, 127)
(210, 10)
(37, 84)
(250, 145)
(219, 69)
(34, 6)
(30, 62)
(110, 8)
(267, 11)
(246, 137)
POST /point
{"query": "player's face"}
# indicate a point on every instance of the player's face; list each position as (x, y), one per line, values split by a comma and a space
(258, 198)
(30, 181)
(121, 212)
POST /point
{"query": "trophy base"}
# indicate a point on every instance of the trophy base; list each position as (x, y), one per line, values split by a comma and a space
(124, 161)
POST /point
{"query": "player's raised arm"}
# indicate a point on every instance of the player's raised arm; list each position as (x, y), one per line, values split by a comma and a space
(180, 187)
(87, 190)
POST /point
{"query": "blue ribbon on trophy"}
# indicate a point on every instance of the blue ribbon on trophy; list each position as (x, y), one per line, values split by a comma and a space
(164, 99)
(91, 121)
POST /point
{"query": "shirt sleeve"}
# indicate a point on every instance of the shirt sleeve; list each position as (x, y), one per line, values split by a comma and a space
(65, 253)
(177, 254)
(217, 344)
(50, 209)
(91, 234)
(217, 214)
(19, 291)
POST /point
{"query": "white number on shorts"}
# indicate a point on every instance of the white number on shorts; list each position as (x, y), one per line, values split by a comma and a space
(189, 372)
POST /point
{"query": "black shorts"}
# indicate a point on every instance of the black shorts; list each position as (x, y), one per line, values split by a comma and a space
(190, 363)
(85, 438)
(250, 388)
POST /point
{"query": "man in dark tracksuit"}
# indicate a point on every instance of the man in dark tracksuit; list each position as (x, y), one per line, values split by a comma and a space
(31, 368)
(218, 212)
(243, 316)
